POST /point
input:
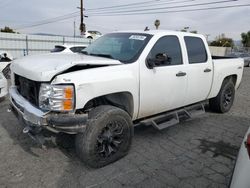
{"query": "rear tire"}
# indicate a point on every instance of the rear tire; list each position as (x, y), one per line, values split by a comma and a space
(224, 100)
(107, 138)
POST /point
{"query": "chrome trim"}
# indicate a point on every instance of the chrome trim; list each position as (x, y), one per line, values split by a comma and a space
(30, 113)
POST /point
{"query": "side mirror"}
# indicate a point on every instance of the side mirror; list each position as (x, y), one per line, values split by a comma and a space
(150, 63)
(158, 60)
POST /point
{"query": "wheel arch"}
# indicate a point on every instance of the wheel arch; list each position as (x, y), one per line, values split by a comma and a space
(224, 99)
(123, 100)
(232, 78)
(218, 84)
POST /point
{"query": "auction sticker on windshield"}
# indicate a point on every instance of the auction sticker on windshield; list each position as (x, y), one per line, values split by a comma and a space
(137, 37)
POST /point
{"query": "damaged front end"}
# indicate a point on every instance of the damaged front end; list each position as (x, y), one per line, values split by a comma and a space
(36, 120)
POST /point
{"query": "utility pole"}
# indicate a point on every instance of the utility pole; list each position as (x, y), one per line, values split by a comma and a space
(74, 28)
(82, 25)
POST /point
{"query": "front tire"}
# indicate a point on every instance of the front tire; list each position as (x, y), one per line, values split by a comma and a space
(107, 138)
(224, 100)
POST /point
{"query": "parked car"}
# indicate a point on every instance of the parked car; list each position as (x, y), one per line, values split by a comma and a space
(66, 48)
(92, 34)
(245, 56)
(121, 79)
(241, 172)
(5, 60)
(3, 86)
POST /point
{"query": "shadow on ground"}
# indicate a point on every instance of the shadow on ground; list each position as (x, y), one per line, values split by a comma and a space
(197, 152)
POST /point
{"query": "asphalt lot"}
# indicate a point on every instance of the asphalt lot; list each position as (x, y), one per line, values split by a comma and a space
(196, 153)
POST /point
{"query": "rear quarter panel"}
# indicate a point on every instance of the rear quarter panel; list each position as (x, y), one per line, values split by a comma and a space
(224, 68)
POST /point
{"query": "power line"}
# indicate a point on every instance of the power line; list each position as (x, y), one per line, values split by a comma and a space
(141, 5)
(67, 16)
(71, 15)
(177, 11)
(124, 5)
(44, 23)
(15, 21)
(47, 21)
(163, 8)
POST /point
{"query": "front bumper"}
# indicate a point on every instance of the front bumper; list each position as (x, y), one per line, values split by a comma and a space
(3, 87)
(34, 117)
(246, 63)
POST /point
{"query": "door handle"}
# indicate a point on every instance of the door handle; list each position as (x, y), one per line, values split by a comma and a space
(207, 70)
(181, 74)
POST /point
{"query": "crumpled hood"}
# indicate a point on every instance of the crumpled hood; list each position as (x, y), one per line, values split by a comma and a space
(44, 67)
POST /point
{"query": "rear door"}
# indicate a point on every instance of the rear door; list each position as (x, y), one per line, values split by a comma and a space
(163, 87)
(199, 71)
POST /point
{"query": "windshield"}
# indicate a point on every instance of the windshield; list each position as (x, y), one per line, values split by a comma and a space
(125, 47)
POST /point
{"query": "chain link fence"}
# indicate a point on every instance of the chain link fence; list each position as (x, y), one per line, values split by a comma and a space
(19, 45)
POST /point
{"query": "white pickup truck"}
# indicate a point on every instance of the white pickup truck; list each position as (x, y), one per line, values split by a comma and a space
(121, 80)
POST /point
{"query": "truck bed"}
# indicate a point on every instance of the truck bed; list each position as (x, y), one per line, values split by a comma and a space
(224, 66)
(223, 57)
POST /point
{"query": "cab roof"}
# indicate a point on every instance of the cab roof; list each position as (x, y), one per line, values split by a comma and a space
(161, 32)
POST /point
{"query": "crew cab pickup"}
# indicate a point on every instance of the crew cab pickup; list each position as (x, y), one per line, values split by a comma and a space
(121, 80)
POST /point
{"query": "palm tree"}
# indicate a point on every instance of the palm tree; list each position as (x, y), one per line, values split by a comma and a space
(157, 23)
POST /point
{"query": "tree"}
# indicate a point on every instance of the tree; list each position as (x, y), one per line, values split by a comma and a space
(157, 23)
(223, 42)
(245, 39)
(7, 30)
(186, 29)
(195, 32)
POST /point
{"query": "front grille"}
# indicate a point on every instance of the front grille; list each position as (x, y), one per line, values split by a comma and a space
(6, 72)
(29, 89)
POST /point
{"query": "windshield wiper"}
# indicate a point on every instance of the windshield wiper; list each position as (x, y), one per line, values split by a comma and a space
(103, 55)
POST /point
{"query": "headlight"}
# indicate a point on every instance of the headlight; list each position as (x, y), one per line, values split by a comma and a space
(56, 97)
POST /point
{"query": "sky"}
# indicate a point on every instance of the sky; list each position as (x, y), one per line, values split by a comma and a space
(23, 15)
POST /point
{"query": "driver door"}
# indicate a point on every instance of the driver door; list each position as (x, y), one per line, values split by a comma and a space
(164, 86)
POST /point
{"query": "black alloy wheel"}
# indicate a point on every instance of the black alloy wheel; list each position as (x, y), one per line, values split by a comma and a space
(224, 100)
(228, 96)
(107, 138)
(110, 139)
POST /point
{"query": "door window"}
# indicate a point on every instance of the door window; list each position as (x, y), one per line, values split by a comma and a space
(196, 50)
(169, 47)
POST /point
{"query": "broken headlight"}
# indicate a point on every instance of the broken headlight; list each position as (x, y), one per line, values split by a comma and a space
(56, 97)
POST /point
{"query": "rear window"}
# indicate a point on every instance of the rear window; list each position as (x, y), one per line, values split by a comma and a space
(196, 50)
(58, 49)
(77, 49)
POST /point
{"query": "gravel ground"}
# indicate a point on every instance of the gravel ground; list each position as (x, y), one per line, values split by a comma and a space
(197, 153)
